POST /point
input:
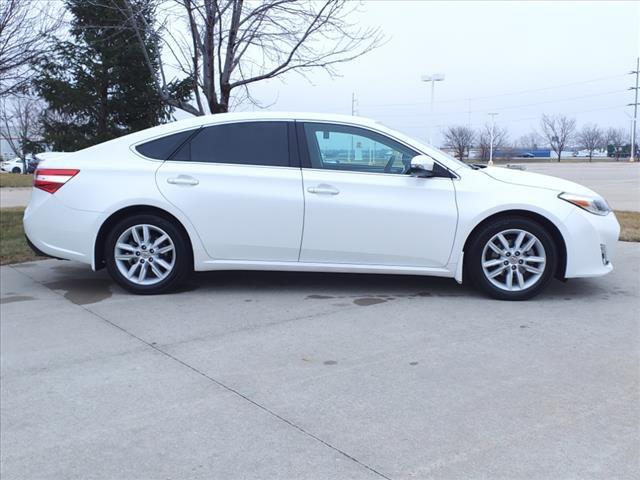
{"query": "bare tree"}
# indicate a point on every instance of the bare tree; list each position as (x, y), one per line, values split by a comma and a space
(20, 125)
(232, 44)
(459, 139)
(591, 138)
(558, 131)
(24, 30)
(529, 141)
(500, 136)
(616, 138)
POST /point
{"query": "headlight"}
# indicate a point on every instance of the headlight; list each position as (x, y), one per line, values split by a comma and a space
(595, 205)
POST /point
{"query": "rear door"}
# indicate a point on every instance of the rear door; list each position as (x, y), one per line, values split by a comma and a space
(361, 205)
(238, 185)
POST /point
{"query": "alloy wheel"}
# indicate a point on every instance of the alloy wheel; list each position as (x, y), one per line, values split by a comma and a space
(145, 254)
(513, 260)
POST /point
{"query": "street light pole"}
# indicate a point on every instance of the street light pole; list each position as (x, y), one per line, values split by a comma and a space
(493, 124)
(635, 112)
(436, 77)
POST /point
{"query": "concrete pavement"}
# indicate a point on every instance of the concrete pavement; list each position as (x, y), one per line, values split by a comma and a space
(284, 375)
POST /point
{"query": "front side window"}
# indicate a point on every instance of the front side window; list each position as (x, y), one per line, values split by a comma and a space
(340, 147)
(248, 143)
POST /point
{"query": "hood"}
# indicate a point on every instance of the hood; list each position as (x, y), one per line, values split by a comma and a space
(528, 179)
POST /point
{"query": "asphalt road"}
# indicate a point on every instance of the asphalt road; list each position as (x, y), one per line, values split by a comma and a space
(317, 376)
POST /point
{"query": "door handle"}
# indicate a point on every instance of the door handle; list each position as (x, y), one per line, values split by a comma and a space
(324, 189)
(182, 180)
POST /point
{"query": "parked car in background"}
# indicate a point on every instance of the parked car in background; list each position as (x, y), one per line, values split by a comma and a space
(14, 165)
(310, 192)
(526, 155)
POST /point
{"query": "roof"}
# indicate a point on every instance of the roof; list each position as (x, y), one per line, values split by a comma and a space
(264, 115)
(205, 120)
(129, 141)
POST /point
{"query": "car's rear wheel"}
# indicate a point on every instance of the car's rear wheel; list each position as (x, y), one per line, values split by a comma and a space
(147, 254)
(512, 258)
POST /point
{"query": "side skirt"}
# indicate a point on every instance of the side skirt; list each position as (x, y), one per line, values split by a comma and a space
(322, 267)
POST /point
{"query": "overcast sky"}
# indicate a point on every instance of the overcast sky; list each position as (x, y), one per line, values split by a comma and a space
(519, 59)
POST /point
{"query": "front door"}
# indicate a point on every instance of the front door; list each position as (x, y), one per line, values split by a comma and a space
(362, 207)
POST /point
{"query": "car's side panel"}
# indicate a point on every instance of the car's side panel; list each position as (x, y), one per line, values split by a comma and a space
(378, 219)
(373, 218)
(241, 212)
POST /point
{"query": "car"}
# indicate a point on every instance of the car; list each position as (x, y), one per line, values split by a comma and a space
(252, 191)
(526, 155)
(14, 165)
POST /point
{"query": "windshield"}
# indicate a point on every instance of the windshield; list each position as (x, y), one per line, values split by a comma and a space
(450, 157)
(433, 152)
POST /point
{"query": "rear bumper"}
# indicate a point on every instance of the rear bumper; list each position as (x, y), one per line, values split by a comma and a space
(591, 243)
(58, 231)
(37, 251)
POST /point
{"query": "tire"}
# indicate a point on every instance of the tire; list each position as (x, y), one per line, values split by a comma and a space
(142, 267)
(16, 170)
(511, 273)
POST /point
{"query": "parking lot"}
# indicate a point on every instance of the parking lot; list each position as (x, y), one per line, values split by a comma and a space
(318, 376)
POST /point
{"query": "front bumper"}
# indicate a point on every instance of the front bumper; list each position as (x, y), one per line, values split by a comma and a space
(591, 243)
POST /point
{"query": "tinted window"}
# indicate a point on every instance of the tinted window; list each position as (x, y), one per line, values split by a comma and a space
(249, 143)
(339, 147)
(162, 148)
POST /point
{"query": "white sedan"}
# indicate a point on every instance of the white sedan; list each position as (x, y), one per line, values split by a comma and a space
(310, 192)
(14, 165)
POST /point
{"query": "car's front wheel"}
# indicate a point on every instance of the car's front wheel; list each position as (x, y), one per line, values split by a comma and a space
(16, 170)
(512, 258)
(147, 254)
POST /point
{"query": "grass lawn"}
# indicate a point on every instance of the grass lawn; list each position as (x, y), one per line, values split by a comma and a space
(14, 248)
(15, 180)
(630, 224)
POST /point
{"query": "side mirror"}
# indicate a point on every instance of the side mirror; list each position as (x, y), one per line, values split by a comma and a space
(421, 166)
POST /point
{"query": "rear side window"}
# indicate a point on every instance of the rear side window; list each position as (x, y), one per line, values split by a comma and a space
(248, 143)
(162, 148)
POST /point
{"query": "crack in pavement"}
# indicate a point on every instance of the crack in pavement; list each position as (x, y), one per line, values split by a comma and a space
(215, 381)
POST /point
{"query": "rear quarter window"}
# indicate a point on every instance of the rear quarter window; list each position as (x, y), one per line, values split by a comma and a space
(162, 148)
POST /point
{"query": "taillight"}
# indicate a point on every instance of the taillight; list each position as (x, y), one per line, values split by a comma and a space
(51, 179)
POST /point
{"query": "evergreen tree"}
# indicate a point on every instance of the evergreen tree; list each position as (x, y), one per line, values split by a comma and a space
(97, 85)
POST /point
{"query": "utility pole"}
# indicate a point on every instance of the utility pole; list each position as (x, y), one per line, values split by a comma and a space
(635, 112)
(493, 124)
